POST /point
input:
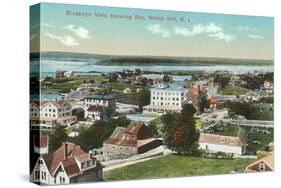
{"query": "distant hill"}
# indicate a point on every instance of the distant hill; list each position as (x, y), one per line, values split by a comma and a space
(146, 60)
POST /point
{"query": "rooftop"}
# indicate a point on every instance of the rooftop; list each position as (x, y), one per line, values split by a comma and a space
(66, 154)
(222, 140)
(171, 88)
(268, 160)
(101, 97)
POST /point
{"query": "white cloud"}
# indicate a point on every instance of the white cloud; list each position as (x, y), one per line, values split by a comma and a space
(66, 40)
(222, 36)
(78, 31)
(157, 29)
(246, 28)
(211, 29)
(255, 36)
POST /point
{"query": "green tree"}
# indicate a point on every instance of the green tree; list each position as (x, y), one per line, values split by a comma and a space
(144, 98)
(170, 124)
(203, 102)
(57, 137)
(222, 80)
(180, 131)
(94, 136)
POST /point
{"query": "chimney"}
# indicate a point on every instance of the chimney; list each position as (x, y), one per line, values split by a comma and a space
(65, 150)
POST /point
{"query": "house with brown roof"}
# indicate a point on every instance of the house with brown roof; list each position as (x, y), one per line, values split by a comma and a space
(68, 164)
(124, 142)
(41, 144)
(263, 164)
(219, 143)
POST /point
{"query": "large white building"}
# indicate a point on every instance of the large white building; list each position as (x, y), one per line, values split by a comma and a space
(45, 114)
(107, 101)
(219, 143)
(164, 98)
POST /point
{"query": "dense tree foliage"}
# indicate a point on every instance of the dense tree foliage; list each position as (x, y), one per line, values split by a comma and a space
(252, 111)
(179, 130)
(144, 98)
(203, 103)
(95, 135)
(256, 81)
(222, 80)
(57, 137)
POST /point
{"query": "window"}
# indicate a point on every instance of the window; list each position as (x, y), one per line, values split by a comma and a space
(83, 165)
(40, 162)
(89, 163)
(262, 167)
(37, 175)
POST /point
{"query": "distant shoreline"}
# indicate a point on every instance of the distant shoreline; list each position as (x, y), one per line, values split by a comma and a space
(108, 60)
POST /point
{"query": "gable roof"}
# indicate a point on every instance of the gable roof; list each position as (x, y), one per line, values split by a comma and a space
(118, 138)
(70, 166)
(63, 155)
(268, 160)
(126, 136)
(58, 103)
(134, 127)
(222, 140)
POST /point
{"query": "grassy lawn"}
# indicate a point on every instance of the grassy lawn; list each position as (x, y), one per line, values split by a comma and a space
(122, 85)
(233, 90)
(176, 166)
(199, 124)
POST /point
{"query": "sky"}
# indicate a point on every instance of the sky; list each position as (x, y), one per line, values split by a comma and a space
(143, 32)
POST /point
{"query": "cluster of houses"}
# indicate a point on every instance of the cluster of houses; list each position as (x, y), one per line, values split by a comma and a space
(70, 164)
(47, 114)
(138, 77)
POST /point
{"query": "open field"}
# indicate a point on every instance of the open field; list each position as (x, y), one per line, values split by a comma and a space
(233, 90)
(176, 166)
(66, 84)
